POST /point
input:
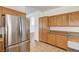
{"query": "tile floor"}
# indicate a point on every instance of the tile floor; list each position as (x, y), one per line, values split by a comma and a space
(43, 47)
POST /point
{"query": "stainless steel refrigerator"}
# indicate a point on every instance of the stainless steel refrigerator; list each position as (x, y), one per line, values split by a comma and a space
(16, 33)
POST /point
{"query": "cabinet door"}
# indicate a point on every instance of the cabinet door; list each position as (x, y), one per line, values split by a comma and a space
(1, 10)
(2, 20)
(74, 19)
(73, 39)
(43, 28)
(62, 20)
(1, 46)
(52, 21)
(51, 39)
(40, 29)
(61, 41)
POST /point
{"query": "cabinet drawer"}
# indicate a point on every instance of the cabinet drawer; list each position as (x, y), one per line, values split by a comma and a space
(73, 39)
(0, 44)
(60, 33)
(61, 41)
(51, 39)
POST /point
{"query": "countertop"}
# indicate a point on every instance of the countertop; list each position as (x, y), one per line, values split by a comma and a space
(65, 33)
(67, 29)
(62, 31)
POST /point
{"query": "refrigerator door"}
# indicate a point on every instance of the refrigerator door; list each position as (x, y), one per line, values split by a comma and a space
(25, 46)
(12, 30)
(24, 29)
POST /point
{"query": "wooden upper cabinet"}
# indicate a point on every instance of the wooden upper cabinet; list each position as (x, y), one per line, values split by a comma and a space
(74, 19)
(2, 21)
(58, 20)
(52, 21)
(4, 10)
(45, 23)
(12, 12)
(1, 10)
(61, 20)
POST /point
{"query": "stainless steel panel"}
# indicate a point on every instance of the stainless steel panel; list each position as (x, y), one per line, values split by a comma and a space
(12, 32)
(25, 46)
(24, 29)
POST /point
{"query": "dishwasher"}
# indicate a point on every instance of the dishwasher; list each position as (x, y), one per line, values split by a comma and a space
(73, 42)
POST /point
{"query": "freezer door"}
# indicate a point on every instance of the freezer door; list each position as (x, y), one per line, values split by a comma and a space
(12, 30)
(24, 28)
(14, 48)
(25, 46)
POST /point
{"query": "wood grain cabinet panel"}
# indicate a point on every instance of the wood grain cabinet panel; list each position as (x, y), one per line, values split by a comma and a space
(61, 41)
(74, 39)
(74, 19)
(5, 10)
(1, 45)
(52, 21)
(51, 39)
(2, 21)
(62, 20)
(40, 29)
(58, 20)
(43, 29)
(1, 10)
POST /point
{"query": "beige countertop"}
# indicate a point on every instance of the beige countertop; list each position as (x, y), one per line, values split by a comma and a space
(76, 34)
(67, 29)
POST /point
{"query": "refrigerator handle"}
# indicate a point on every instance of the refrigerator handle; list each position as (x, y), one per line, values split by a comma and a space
(20, 29)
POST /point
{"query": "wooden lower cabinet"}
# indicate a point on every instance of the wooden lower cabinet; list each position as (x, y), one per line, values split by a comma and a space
(1, 45)
(45, 37)
(61, 41)
(74, 39)
(51, 39)
(58, 40)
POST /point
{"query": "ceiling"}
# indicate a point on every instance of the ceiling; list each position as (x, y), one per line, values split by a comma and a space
(32, 9)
